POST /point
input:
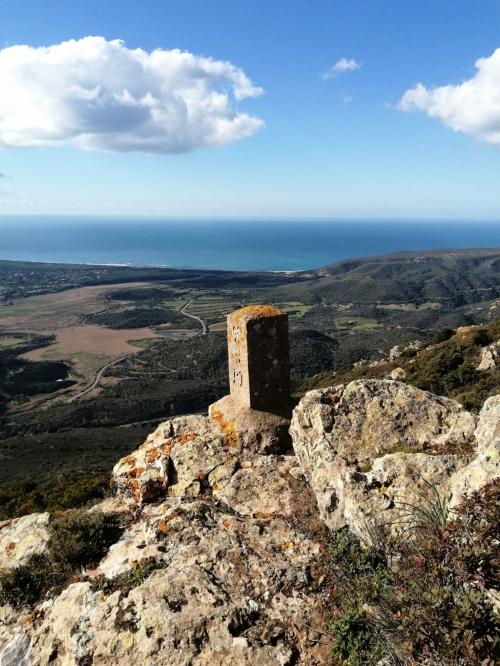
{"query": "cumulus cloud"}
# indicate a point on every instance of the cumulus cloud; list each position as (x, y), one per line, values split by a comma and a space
(472, 107)
(340, 67)
(97, 94)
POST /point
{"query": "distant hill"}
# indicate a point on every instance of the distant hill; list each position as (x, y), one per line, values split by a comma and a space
(462, 364)
(460, 276)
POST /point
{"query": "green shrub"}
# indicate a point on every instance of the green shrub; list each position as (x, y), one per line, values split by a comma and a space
(443, 334)
(127, 580)
(432, 606)
(77, 540)
(26, 584)
(70, 493)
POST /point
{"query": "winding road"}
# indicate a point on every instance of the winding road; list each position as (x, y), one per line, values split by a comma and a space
(98, 377)
(102, 369)
(203, 324)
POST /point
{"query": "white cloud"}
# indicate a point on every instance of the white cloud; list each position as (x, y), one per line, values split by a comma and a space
(340, 67)
(472, 107)
(98, 94)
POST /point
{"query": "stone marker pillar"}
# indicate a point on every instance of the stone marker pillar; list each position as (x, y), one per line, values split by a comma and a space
(257, 411)
(259, 368)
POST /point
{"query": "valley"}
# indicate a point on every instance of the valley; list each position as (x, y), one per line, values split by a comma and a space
(106, 350)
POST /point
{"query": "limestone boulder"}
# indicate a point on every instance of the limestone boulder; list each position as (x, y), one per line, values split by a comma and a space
(489, 357)
(488, 427)
(485, 466)
(229, 588)
(23, 537)
(176, 459)
(372, 448)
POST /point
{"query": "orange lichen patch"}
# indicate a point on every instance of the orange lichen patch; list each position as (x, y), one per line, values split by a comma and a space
(10, 546)
(184, 439)
(163, 526)
(230, 436)
(129, 460)
(167, 447)
(263, 516)
(29, 618)
(152, 455)
(287, 545)
(255, 312)
(164, 523)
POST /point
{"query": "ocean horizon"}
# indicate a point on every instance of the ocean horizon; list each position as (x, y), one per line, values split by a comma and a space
(231, 244)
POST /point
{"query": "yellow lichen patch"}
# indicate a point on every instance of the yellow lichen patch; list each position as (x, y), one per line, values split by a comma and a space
(263, 516)
(287, 545)
(230, 436)
(255, 312)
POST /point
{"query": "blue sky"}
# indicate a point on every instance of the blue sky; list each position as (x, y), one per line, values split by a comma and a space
(306, 145)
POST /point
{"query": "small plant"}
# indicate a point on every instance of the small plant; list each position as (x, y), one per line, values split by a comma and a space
(431, 607)
(127, 580)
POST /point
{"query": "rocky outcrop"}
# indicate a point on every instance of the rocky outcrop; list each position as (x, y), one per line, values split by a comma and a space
(22, 537)
(374, 448)
(485, 466)
(237, 575)
(222, 559)
(489, 357)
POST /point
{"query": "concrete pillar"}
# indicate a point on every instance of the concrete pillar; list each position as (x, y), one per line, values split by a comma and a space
(259, 368)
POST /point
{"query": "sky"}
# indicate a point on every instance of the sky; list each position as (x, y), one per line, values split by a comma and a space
(251, 108)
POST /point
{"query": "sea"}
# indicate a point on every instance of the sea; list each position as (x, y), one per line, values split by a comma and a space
(236, 244)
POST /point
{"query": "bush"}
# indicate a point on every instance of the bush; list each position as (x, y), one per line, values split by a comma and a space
(25, 585)
(431, 607)
(77, 539)
(29, 497)
(443, 334)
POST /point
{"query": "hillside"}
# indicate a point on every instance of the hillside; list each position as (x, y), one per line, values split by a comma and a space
(462, 364)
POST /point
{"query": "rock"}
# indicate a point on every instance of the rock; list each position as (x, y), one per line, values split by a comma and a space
(489, 357)
(488, 427)
(398, 374)
(176, 458)
(21, 538)
(255, 430)
(485, 467)
(230, 587)
(396, 351)
(17, 652)
(369, 447)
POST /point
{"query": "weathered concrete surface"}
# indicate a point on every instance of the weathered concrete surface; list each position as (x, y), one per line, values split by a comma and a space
(260, 431)
(259, 369)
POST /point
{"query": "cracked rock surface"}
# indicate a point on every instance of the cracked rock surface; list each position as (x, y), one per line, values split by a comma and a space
(237, 576)
(374, 449)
